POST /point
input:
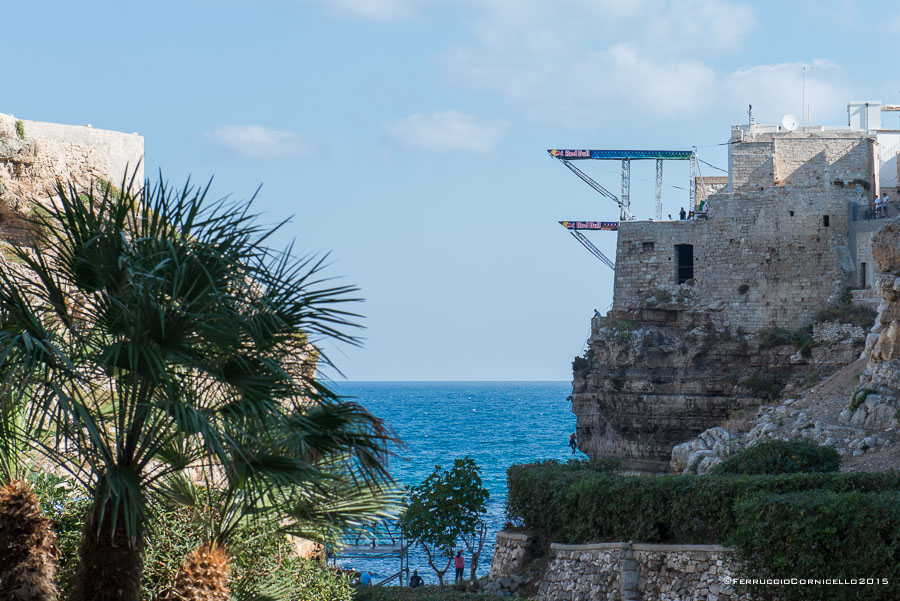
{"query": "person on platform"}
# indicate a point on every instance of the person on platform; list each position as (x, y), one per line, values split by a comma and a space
(877, 207)
(415, 581)
(682, 214)
(366, 579)
(459, 562)
(884, 205)
(670, 216)
(573, 442)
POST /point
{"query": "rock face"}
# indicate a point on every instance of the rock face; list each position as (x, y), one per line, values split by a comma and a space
(876, 402)
(655, 377)
(886, 247)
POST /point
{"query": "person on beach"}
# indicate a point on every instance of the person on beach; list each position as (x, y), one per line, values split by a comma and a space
(459, 562)
(415, 580)
(573, 442)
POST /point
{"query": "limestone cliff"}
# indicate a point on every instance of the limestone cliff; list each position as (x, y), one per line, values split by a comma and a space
(658, 376)
(661, 374)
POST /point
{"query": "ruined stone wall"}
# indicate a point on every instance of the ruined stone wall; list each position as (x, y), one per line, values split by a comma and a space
(626, 571)
(709, 185)
(765, 258)
(34, 155)
(510, 554)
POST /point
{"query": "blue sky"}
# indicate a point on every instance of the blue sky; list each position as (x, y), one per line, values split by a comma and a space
(409, 137)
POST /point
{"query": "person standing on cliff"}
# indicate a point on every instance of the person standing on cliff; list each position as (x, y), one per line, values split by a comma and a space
(459, 562)
(682, 214)
(573, 442)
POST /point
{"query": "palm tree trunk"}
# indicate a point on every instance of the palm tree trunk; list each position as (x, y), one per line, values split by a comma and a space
(27, 546)
(203, 576)
(109, 562)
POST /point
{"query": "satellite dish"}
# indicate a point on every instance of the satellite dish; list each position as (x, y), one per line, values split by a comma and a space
(789, 122)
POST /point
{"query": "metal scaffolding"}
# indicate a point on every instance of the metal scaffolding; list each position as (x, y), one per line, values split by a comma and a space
(566, 157)
(379, 541)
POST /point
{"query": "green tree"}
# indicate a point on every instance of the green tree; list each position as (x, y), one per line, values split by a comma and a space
(155, 330)
(448, 506)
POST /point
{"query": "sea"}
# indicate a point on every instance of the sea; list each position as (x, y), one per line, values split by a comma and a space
(497, 424)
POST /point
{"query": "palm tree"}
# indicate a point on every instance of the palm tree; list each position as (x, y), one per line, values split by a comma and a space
(27, 540)
(157, 329)
(222, 505)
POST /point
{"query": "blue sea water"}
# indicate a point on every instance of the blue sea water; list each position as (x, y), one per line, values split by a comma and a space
(495, 423)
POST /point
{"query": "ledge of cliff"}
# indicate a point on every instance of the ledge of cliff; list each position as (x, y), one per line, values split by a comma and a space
(660, 375)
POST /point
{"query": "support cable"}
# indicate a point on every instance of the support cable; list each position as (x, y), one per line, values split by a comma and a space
(593, 249)
(597, 187)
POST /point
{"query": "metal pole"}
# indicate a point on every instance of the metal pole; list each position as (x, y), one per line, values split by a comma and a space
(659, 210)
(693, 183)
(626, 189)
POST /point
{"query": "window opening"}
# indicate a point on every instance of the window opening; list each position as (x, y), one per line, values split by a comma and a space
(684, 262)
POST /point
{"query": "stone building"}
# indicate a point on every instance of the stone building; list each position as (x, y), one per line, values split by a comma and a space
(782, 239)
(791, 228)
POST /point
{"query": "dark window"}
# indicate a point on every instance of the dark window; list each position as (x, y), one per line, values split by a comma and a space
(792, 213)
(684, 262)
(862, 275)
(647, 246)
(826, 220)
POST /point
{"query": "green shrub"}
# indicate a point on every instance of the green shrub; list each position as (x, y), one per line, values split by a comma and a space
(801, 339)
(775, 336)
(20, 129)
(817, 535)
(579, 503)
(763, 387)
(781, 457)
(62, 503)
(262, 559)
(661, 296)
(859, 397)
(844, 311)
(623, 331)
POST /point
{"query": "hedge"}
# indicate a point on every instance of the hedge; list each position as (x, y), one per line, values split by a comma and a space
(577, 503)
(781, 457)
(819, 535)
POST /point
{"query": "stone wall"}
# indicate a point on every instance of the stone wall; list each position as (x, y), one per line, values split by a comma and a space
(777, 248)
(31, 165)
(510, 554)
(625, 571)
(802, 159)
(766, 258)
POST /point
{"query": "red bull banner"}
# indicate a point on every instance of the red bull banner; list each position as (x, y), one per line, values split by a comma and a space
(606, 226)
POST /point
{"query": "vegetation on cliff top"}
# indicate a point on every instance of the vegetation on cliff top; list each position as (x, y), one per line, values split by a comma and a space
(781, 457)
